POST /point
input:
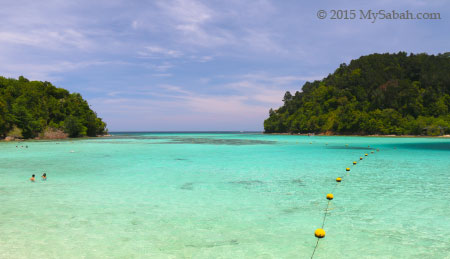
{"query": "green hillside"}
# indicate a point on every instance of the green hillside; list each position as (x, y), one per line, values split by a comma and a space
(30, 109)
(375, 94)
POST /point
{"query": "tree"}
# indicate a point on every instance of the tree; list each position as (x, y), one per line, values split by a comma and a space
(287, 97)
(73, 126)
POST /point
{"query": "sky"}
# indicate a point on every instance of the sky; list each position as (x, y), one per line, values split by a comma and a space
(191, 65)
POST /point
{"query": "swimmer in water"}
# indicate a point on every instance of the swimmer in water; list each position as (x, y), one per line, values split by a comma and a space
(32, 178)
(44, 177)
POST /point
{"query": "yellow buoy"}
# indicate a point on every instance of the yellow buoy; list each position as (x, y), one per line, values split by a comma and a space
(366, 154)
(330, 196)
(371, 152)
(339, 179)
(319, 233)
(347, 169)
(354, 162)
(360, 158)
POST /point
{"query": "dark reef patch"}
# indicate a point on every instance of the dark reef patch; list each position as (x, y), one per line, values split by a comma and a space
(135, 222)
(291, 210)
(215, 141)
(247, 182)
(187, 186)
(359, 148)
(187, 140)
(442, 146)
(298, 182)
(231, 242)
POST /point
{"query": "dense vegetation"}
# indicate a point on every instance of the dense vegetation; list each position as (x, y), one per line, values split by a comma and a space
(375, 94)
(28, 109)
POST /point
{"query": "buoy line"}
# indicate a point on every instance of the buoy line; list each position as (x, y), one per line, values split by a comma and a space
(320, 232)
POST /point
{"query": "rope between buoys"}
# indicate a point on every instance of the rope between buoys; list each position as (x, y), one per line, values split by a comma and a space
(323, 223)
(324, 217)
(315, 247)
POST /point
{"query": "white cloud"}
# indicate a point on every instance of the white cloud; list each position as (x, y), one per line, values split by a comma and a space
(194, 22)
(48, 71)
(157, 51)
(176, 89)
(48, 39)
(163, 67)
(135, 24)
(162, 75)
(263, 41)
(187, 11)
(280, 80)
(204, 58)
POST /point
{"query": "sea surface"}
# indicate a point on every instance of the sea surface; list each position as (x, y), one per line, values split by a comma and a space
(225, 195)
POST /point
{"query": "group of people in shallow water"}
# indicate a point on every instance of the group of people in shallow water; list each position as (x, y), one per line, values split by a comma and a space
(44, 177)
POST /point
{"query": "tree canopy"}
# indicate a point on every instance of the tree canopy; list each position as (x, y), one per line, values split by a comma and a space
(376, 94)
(28, 108)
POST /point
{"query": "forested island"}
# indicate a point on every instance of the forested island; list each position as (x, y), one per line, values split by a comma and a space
(385, 94)
(35, 109)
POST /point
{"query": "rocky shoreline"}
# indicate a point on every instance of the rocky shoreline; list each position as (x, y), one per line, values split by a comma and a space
(358, 135)
(50, 137)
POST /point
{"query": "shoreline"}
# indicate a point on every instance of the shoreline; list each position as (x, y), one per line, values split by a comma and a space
(356, 135)
(263, 133)
(54, 139)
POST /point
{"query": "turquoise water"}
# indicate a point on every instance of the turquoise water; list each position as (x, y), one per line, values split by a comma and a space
(225, 196)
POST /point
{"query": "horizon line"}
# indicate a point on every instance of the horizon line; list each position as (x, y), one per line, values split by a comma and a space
(187, 131)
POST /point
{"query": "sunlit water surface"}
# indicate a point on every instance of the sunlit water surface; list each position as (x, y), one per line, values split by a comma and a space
(155, 195)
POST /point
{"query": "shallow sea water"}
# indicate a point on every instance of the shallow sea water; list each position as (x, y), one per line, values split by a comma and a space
(155, 195)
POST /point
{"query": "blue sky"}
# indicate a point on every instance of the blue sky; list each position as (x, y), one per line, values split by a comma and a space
(198, 65)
